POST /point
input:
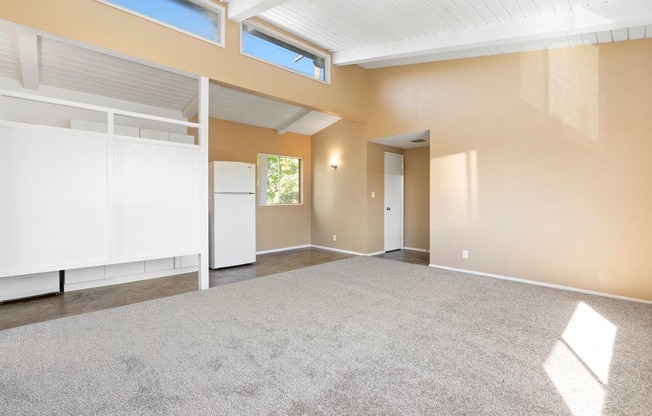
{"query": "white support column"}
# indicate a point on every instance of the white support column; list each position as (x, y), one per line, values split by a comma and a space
(202, 100)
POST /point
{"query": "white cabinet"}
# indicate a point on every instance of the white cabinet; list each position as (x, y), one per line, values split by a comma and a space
(154, 134)
(159, 264)
(186, 261)
(18, 287)
(86, 274)
(100, 127)
(181, 138)
(125, 269)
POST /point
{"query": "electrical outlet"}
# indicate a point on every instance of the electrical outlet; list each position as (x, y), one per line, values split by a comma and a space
(465, 254)
(334, 237)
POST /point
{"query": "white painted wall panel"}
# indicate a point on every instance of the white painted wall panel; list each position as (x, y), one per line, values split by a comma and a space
(53, 202)
(156, 199)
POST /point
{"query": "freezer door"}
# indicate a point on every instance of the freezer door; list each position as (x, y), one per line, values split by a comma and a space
(233, 230)
(233, 177)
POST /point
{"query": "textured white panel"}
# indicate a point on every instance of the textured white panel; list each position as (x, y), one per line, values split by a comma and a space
(313, 123)
(53, 199)
(156, 200)
(241, 107)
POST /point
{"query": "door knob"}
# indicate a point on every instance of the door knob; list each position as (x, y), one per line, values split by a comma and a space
(389, 209)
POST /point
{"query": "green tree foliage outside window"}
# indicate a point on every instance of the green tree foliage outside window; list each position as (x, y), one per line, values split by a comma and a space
(283, 180)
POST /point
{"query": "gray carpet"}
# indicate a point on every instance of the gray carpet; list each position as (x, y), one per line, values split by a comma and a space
(358, 336)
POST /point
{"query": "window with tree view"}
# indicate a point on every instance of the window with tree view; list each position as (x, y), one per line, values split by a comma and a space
(279, 179)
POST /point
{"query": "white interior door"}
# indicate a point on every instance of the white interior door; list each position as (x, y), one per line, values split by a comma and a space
(393, 201)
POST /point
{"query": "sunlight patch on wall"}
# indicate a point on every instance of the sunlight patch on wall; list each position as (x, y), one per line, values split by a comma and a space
(579, 363)
(574, 85)
(454, 182)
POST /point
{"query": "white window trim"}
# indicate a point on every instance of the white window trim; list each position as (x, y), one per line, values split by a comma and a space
(206, 3)
(259, 185)
(292, 41)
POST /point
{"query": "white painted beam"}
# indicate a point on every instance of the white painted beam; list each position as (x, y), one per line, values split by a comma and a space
(241, 10)
(617, 14)
(202, 215)
(192, 108)
(287, 124)
(28, 51)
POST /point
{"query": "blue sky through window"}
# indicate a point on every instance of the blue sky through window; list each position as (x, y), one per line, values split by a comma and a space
(276, 54)
(178, 13)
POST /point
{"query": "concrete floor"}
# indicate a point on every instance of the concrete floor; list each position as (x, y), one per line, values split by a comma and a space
(407, 256)
(28, 311)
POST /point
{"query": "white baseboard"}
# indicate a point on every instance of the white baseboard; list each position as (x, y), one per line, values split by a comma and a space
(117, 280)
(374, 254)
(423, 250)
(550, 285)
(338, 250)
(278, 250)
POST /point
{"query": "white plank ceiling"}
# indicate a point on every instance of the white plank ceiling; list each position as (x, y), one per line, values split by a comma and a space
(380, 33)
(593, 38)
(71, 67)
(9, 57)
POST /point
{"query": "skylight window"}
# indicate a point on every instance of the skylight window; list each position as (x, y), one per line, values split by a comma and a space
(280, 50)
(200, 18)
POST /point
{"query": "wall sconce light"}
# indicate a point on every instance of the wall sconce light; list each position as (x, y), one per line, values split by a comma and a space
(334, 163)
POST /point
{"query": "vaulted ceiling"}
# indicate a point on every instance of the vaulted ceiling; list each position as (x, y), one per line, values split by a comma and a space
(380, 33)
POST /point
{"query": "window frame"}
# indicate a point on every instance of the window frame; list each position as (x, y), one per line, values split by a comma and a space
(204, 3)
(292, 41)
(258, 179)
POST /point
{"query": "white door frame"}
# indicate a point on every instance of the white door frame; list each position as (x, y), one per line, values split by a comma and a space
(402, 200)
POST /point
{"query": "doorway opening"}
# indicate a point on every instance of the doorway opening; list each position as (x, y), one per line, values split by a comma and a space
(394, 207)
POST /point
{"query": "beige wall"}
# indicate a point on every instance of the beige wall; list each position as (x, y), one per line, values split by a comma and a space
(539, 162)
(417, 198)
(376, 205)
(276, 226)
(340, 203)
(98, 24)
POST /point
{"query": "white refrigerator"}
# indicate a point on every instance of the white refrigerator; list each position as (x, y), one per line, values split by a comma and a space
(232, 214)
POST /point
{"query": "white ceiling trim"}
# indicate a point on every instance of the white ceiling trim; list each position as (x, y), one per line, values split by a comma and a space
(599, 17)
(241, 10)
(29, 63)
